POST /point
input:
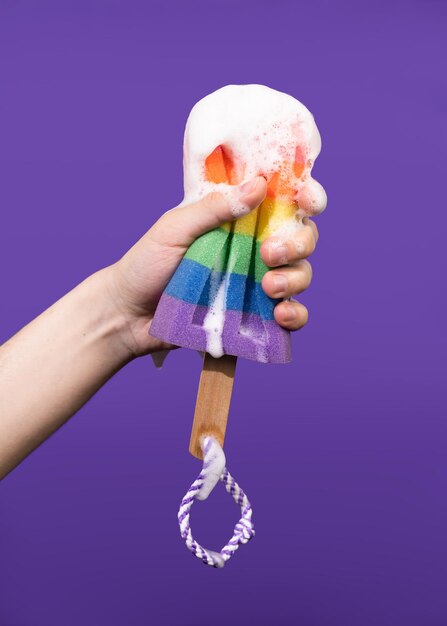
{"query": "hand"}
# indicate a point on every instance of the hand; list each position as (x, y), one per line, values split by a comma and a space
(137, 281)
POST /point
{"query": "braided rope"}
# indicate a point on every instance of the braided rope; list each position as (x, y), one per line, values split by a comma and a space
(214, 470)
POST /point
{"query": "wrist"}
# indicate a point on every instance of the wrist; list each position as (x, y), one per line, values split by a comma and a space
(131, 323)
(110, 321)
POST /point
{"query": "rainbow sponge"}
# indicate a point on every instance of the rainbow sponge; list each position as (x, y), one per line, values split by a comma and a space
(226, 260)
(214, 302)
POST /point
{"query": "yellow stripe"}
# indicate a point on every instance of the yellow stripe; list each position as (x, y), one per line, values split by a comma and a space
(273, 213)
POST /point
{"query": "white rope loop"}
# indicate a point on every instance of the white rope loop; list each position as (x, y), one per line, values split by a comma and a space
(214, 470)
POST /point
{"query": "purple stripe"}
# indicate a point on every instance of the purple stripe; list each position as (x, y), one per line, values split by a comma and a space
(187, 500)
(183, 515)
(267, 342)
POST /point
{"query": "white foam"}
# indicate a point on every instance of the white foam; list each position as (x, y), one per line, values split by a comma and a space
(260, 128)
(215, 465)
(214, 321)
(218, 558)
(215, 318)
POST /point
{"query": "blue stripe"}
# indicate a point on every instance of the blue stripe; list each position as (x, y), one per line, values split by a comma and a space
(191, 283)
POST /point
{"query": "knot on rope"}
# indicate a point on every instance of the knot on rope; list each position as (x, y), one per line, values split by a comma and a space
(213, 470)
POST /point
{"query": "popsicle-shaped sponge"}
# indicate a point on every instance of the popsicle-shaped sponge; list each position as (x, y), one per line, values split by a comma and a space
(214, 302)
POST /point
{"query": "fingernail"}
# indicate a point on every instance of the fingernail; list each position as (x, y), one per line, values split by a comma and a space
(278, 253)
(248, 187)
(289, 313)
(280, 283)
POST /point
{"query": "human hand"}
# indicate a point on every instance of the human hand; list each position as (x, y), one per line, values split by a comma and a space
(137, 280)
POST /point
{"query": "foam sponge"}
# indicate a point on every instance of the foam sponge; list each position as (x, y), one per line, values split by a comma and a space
(214, 302)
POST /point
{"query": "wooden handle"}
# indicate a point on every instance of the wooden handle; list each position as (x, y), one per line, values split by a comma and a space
(213, 401)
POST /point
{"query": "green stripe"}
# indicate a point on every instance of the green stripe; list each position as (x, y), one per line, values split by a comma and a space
(208, 247)
(212, 248)
(260, 267)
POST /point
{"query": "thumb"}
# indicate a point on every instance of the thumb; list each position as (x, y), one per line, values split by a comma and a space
(180, 226)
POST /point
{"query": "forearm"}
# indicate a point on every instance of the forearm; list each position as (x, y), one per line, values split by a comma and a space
(55, 364)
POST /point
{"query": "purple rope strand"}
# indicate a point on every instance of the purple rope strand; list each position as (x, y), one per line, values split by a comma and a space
(243, 530)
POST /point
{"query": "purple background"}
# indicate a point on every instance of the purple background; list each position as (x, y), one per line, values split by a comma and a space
(343, 452)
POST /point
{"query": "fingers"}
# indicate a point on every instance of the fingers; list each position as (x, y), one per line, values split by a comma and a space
(180, 226)
(288, 281)
(276, 251)
(291, 315)
(313, 226)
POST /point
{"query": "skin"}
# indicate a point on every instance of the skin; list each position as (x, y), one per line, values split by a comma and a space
(52, 366)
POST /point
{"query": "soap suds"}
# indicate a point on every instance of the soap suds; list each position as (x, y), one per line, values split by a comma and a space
(214, 321)
(261, 128)
(232, 194)
(311, 197)
(213, 465)
(215, 318)
(218, 558)
(287, 229)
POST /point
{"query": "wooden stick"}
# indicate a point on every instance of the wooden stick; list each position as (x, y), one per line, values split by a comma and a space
(213, 401)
